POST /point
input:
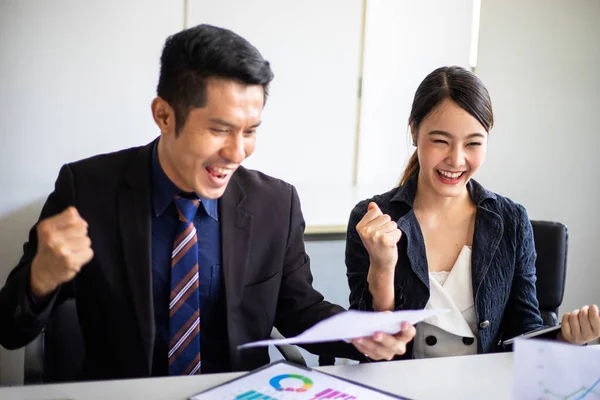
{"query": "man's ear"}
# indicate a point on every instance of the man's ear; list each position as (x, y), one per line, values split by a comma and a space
(163, 115)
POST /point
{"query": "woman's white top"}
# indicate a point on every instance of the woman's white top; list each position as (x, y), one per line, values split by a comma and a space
(453, 333)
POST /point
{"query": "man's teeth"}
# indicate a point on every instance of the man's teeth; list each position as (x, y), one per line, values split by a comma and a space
(450, 175)
(219, 171)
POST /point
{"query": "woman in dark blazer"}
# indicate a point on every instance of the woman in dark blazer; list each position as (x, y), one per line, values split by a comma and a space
(441, 240)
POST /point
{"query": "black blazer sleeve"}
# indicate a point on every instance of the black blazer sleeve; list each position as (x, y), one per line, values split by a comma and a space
(300, 306)
(20, 322)
(358, 262)
(522, 312)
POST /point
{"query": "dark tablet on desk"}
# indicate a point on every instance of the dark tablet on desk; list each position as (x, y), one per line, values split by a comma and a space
(286, 381)
(536, 332)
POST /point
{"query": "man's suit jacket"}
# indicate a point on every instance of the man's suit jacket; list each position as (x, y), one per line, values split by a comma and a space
(266, 270)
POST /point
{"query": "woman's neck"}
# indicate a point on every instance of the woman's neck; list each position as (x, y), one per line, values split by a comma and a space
(428, 201)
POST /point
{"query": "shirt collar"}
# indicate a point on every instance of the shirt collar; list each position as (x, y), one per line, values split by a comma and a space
(406, 193)
(211, 206)
(164, 190)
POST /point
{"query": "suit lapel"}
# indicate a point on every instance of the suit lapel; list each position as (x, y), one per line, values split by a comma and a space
(484, 246)
(134, 212)
(236, 226)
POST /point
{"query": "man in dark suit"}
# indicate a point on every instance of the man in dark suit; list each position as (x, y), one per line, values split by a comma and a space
(175, 253)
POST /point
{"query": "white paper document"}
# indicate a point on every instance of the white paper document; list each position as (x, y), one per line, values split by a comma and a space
(547, 369)
(351, 325)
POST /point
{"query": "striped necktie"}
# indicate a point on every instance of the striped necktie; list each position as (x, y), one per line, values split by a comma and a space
(184, 305)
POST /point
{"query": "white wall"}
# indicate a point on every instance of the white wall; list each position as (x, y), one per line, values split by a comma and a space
(76, 79)
(405, 41)
(541, 64)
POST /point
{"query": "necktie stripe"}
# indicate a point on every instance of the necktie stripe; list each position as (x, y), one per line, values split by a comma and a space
(184, 329)
(191, 234)
(182, 236)
(191, 244)
(181, 216)
(184, 341)
(196, 368)
(183, 291)
(183, 281)
(182, 301)
(184, 338)
(193, 367)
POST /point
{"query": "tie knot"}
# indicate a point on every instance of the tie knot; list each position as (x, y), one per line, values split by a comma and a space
(186, 208)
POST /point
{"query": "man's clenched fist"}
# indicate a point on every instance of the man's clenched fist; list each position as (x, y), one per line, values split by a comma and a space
(63, 248)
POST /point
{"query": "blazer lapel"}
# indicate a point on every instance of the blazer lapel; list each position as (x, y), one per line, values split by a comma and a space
(484, 247)
(134, 212)
(236, 226)
(415, 248)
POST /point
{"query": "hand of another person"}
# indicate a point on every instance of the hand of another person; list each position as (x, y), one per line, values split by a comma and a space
(63, 248)
(581, 326)
(380, 236)
(383, 346)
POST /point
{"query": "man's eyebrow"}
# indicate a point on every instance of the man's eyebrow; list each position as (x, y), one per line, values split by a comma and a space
(220, 121)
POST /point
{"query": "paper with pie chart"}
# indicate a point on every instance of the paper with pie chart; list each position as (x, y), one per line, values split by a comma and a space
(351, 325)
(285, 381)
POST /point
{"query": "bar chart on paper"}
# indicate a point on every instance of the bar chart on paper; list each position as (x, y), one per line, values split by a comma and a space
(547, 370)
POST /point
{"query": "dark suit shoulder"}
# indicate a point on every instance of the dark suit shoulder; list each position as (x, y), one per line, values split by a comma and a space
(271, 201)
(252, 181)
(506, 205)
(103, 165)
(511, 212)
(383, 201)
